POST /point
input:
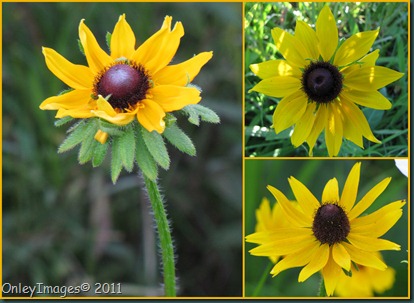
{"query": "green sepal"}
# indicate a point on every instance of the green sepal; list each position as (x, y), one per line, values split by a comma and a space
(348, 273)
(196, 112)
(109, 128)
(116, 162)
(169, 119)
(127, 148)
(179, 139)
(63, 121)
(99, 154)
(108, 37)
(89, 143)
(77, 135)
(144, 158)
(156, 147)
(81, 49)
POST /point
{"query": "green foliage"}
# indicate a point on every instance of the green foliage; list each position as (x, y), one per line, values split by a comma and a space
(261, 18)
(179, 139)
(144, 158)
(196, 112)
(156, 146)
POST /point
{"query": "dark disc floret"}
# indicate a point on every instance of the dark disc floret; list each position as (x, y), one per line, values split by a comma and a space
(322, 82)
(330, 224)
(124, 84)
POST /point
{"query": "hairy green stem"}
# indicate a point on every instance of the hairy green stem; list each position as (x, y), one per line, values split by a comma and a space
(164, 234)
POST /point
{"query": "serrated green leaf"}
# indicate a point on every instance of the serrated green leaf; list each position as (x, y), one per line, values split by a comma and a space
(144, 159)
(63, 121)
(110, 129)
(81, 47)
(88, 143)
(99, 154)
(206, 114)
(156, 147)
(169, 119)
(76, 136)
(108, 37)
(127, 148)
(179, 139)
(193, 116)
(116, 162)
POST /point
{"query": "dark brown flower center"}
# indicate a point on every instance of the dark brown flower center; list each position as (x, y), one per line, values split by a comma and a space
(330, 224)
(322, 82)
(124, 84)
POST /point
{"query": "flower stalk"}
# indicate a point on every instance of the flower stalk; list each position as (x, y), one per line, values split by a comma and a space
(164, 234)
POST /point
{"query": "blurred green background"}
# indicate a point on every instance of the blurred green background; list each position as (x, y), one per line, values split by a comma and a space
(391, 127)
(63, 223)
(315, 174)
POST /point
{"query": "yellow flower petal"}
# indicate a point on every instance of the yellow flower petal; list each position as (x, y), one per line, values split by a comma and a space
(105, 106)
(304, 126)
(101, 136)
(317, 262)
(71, 100)
(151, 116)
(370, 78)
(289, 110)
(368, 243)
(106, 112)
(278, 86)
(363, 257)
(172, 97)
(331, 273)
(78, 113)
(183, 73)
(355, 47)
(341, 256)
(122, 39)
(282, 247)
(372, 99)
(156, 52)
(368, 199)
(96, 57)
(327, 33)
(290, 47)
(350, 191)
(76, 76)
(299, 258)
(331, 192)
(295, 216)
(274, 68)
(308, 37)
(317, 128)
(333, 130)
(281, 233)
(305, 198)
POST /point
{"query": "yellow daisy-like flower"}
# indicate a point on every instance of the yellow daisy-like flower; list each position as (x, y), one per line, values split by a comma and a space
(365, 281)
(128, 83)
(330, 234)
(322, 84)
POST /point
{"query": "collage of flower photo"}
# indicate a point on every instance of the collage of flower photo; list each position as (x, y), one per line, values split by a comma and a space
(205, 150)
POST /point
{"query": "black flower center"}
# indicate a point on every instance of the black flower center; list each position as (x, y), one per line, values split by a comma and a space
(330, 224)
(322, 82)
(124, 84)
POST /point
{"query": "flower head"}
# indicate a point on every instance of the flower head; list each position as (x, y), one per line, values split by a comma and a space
(329, 235)
(129, 83)
(322, 82)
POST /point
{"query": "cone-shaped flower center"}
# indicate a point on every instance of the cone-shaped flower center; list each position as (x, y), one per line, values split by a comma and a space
(125, 84)
(330, 224)
(322, 82)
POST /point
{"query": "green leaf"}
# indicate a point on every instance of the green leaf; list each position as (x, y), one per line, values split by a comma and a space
(99, 154)
(127, 148)
(88, 144)
(110, 129)
(197, 112)
(76, 136)
(63, 121)
(156, 147)
(179, 139)
(144, 159)
(116, 163)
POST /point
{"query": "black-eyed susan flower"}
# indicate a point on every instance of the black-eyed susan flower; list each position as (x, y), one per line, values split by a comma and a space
(129, 83)
(323, 82)
(125, 99)
(329, 235)
(365, 281)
